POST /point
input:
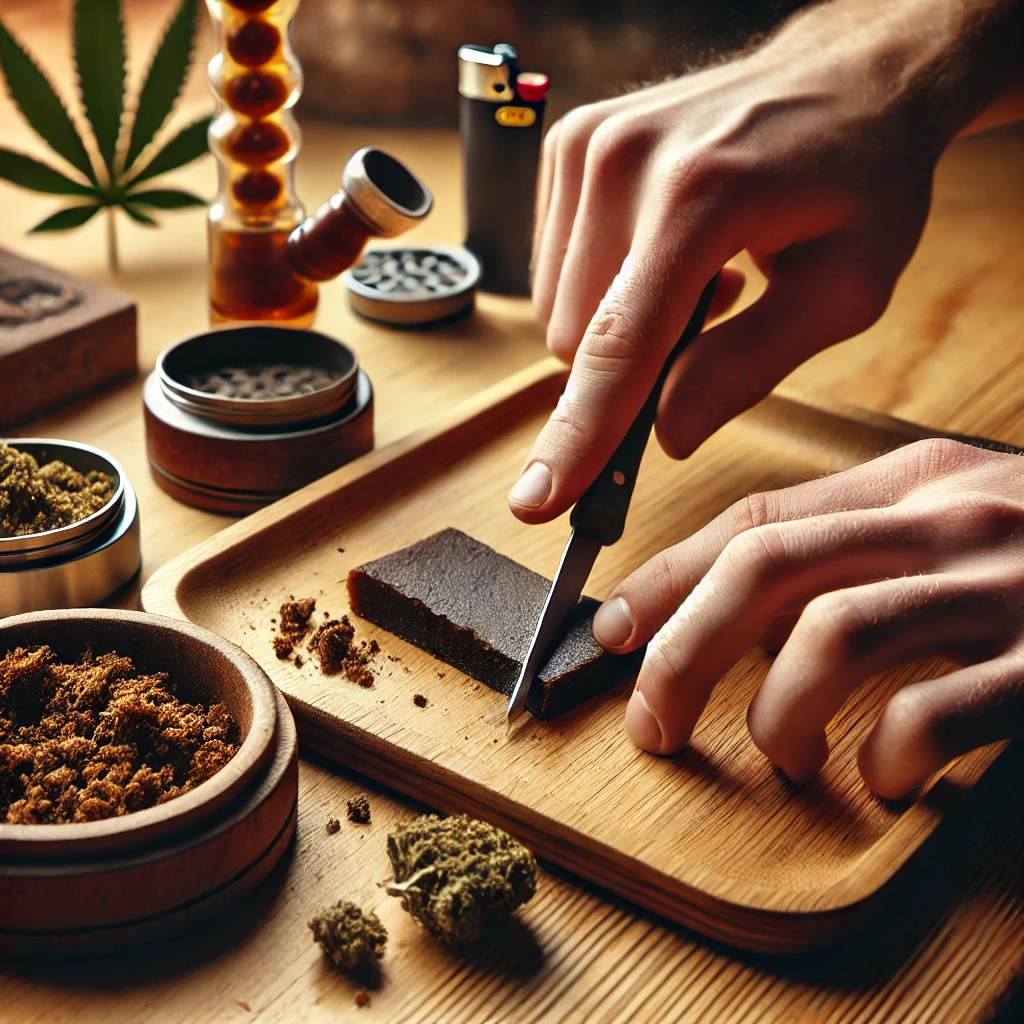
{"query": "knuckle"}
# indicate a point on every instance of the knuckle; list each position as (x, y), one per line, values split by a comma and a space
(664, 575)
(935, 456)
(678, 176)
(981, 516)
(755, 556)
(757, 509)
(575, 131)
(916, 465)
(551, 139)
(838, 622)
(612, 147)
(568, 429)
(906, 715)
(615, 334)
(662, 662)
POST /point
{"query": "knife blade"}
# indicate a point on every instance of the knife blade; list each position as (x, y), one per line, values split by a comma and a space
(599, 517)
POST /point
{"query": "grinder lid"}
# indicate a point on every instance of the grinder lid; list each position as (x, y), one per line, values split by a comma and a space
(413, 285)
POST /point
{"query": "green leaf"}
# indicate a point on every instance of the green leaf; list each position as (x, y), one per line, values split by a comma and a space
(166, 199)
(136, 214)
(40, 105)
(39, 177)
(72, 217)
(164, 79)
(99, 58)
(185, 147)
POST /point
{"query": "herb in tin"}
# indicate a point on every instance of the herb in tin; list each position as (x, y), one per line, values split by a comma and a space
(35, 499)
(98, 739)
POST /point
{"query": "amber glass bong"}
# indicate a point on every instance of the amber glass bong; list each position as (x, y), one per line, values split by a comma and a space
(266, 260)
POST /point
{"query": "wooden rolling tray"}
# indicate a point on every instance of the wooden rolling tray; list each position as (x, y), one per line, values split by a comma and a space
(713, 838)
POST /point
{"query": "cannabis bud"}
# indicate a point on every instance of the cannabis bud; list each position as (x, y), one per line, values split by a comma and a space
(353, 940)
(458, 876)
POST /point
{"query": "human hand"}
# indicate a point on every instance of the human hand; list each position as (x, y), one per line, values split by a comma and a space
(917, 554)
(815, 154)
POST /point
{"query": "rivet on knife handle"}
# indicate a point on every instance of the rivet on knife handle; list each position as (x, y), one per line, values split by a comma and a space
(601, 511)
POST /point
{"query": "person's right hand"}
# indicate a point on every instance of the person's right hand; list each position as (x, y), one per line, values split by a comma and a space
(915, 555)
(815, 154)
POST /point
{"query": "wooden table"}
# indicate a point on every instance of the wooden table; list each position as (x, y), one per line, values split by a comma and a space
(950, 946)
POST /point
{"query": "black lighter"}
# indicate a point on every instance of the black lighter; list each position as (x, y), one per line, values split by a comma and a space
(501, 115)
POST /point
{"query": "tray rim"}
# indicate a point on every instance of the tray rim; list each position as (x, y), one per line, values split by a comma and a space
(839, 906)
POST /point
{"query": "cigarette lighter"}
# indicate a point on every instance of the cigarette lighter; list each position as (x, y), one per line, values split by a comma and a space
(501, 115)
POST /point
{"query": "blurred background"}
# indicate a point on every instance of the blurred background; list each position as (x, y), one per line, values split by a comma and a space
(392, 62)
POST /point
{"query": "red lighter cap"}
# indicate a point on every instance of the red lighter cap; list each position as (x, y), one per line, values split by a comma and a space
(531, 86)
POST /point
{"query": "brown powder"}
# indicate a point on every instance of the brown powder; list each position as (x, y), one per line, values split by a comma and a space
(358, 809)
(97, 739)
(334, 646)
(419, 700)
(294, 626)
(333, 826)
(34, 498)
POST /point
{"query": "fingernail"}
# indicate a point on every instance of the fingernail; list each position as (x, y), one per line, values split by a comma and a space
(613, 624)
(691, 421)
(641, 725)
(533, 487)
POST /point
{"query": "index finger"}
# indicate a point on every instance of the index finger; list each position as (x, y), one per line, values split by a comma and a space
(615, 367)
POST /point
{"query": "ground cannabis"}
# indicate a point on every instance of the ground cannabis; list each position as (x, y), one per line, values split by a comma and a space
(459, 876)
(293, 627)
(34, 498)
(97, 739)
(353, 941)
(333, 642)
(359, 810)
(336, 650)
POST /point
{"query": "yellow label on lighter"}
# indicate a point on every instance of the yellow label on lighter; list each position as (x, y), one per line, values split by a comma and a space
(515, 117)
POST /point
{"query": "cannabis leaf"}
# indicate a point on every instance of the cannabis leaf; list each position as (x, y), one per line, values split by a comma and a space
(123, 151)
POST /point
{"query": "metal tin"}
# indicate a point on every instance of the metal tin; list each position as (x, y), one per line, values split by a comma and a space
(79, 565)
(413, 299)
(259, 344)
(234, 455)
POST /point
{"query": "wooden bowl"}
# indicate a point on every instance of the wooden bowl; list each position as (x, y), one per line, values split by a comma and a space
(106, 884)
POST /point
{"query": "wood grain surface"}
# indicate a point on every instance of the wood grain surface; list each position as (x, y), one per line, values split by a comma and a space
(949, 948)
(713, 838)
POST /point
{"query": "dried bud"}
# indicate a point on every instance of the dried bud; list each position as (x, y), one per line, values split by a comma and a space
(459, 876)
(354, 941)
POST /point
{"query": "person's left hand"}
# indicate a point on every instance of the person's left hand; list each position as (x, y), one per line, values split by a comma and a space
(916, 554)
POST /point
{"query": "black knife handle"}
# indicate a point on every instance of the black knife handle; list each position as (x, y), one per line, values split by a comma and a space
(601, 511)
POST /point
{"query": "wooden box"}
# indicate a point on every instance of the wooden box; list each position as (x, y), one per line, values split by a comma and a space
(60, 337)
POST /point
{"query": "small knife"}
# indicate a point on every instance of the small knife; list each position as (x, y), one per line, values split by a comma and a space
(599, 517)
